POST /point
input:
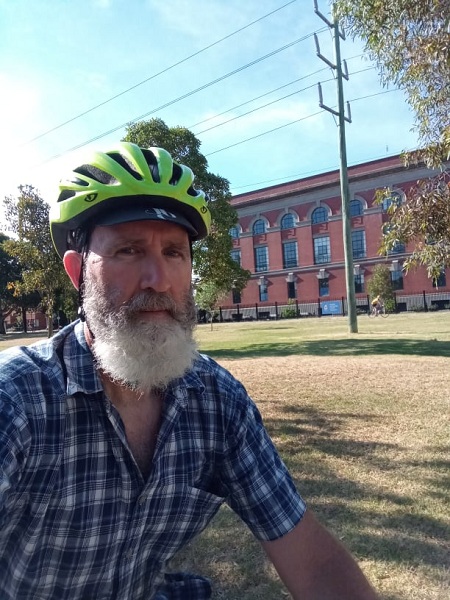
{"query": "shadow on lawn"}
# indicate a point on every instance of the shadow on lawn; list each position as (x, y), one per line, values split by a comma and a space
(374, 522)
(338, 347)
(406, 535)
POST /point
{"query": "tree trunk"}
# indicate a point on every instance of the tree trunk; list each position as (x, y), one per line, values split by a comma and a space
(2, 325)
(24, 319)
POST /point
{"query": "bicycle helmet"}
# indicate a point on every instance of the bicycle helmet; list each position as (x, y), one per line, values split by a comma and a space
(127, 183)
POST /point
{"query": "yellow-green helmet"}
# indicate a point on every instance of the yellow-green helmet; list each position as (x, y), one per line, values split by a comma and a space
(127, 183)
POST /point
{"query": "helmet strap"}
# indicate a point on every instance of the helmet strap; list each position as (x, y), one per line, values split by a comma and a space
(81, 313)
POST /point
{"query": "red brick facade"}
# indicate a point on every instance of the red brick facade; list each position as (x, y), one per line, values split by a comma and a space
(302, 272)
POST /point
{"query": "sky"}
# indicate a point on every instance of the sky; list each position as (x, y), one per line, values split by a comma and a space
(241, 75)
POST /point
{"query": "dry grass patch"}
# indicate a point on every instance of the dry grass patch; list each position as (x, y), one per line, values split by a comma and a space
(366, 439)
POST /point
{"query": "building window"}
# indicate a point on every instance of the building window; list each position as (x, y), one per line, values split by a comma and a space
(236, 256)
(291, 292)
(320, 215)
(324, 286)
(441, 281)
(322, 252)
(288, 221)
(359, 283)
(397, 280)
(261, 259)
(259, 227)
(356, 208)
(236, 296)
(263, 293)
(398, 248)
(359, 243)
(234, 232)
(289, 255)
(395, 198)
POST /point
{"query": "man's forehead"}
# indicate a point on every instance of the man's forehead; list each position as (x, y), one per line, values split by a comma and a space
(144, 230)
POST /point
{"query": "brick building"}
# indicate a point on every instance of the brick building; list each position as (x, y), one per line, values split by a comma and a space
(290, 238)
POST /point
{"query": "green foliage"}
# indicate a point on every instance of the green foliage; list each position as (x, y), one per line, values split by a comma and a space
(42, 272)
(9, 270)
(410, 42)
(289, 312)
(380, 284)
(213, 266)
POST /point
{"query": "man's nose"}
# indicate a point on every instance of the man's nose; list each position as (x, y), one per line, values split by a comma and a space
(155, 274)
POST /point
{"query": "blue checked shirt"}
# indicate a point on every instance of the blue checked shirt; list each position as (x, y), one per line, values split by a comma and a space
(77, 519)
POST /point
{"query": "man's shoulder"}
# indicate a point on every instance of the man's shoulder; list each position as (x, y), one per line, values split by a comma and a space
(19, 361)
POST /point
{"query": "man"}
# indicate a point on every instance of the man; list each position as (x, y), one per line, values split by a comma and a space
(118, 441)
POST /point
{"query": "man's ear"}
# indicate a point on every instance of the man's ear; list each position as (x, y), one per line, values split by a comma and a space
(73, 263)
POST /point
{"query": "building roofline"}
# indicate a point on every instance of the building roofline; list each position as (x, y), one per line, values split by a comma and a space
(355, 172)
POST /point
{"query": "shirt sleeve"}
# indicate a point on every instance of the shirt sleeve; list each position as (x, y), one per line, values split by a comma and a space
(12, 425)
(261, 490)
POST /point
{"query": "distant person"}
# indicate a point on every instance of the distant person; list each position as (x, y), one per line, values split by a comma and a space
(118, 440)
(377, 304)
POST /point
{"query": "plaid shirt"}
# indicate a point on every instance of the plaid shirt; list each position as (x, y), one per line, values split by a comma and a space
(77, 519)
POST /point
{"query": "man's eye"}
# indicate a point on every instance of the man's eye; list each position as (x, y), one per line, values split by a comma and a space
(127, 250)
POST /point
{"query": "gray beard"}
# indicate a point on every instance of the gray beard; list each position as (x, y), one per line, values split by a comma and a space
(139, 355)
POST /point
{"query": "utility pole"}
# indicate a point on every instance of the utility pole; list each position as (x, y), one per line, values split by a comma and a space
(345, 191)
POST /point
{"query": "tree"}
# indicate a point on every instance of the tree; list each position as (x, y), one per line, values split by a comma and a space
(380, 284)
(213, 266)
(28, 219)
(410, 42)
(9, 271)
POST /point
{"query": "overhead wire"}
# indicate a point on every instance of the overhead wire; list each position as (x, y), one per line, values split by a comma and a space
(182, 97)
(292, 123)
(270, 103)
(165, 70)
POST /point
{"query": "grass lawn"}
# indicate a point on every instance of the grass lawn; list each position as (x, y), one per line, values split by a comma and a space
(362, 421)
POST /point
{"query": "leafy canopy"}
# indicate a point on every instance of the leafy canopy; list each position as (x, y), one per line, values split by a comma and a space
(410, 42)
(28, 218)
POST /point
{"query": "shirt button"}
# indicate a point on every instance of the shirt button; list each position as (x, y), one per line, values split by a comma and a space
(142, 499)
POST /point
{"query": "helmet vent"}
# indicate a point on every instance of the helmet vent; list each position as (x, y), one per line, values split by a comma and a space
(177, 173)
(95, 174)
(152, 164)
(65, 195)
(125, 164)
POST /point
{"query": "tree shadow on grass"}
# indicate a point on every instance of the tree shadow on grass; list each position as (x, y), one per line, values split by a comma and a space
(376, 523)
(407, 536)
(337, 347)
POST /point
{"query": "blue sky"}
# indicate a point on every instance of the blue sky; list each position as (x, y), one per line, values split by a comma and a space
(61, 58)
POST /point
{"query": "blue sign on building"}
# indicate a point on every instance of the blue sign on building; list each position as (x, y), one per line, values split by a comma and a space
(331, 308)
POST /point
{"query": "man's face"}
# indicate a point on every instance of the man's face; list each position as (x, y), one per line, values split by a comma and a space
(138, 302)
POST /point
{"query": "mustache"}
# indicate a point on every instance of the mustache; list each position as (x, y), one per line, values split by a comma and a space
(150, 301)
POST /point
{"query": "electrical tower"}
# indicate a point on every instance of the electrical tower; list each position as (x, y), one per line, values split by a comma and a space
(345, 192)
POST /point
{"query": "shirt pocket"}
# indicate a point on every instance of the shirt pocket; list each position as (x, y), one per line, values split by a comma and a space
(176, 514)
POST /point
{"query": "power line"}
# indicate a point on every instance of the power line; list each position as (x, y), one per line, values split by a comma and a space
(133, 87)
(288, 178)
(292, 123)
(273, 101)
(265, 133)
(256, 98)
(182, 97)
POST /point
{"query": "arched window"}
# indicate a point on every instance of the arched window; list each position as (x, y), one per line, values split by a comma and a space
(288, 221)
(234, 232)
(259, 227)
(394, 198)
(356, 208)
(320, 215)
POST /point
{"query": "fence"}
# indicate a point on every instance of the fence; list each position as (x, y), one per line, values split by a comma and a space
(421, 301)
